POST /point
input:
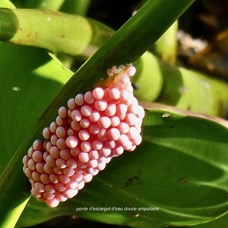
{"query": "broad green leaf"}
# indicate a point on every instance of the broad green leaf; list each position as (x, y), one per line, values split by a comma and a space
(221, 222)
(179, 175)
(26, 89)
(29, 79)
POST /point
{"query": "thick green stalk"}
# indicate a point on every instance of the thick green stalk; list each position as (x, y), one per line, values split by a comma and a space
(44, 4)
(180, 87)
(43, 28)
(6, 3)
(79, 7)
(166, 46)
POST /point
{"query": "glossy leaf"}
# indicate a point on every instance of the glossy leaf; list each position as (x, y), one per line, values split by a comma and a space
(26, 89)
(178, 174)
(220, 222)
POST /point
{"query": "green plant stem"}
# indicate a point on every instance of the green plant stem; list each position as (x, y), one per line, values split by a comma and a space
(44, 4)
(166, 45)
(180, 87)
(79, 7)
(7, 3)
(78, 37)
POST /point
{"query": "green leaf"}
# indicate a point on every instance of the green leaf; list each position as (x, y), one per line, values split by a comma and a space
(179, 175)
(221, 222)
(28, 84)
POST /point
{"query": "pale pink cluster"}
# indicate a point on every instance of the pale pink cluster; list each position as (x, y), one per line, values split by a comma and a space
(86, 135)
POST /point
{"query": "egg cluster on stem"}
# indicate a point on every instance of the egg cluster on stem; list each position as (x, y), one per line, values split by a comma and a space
(86, 135)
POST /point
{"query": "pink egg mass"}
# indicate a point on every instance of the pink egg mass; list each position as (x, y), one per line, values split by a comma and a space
(86, 135)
